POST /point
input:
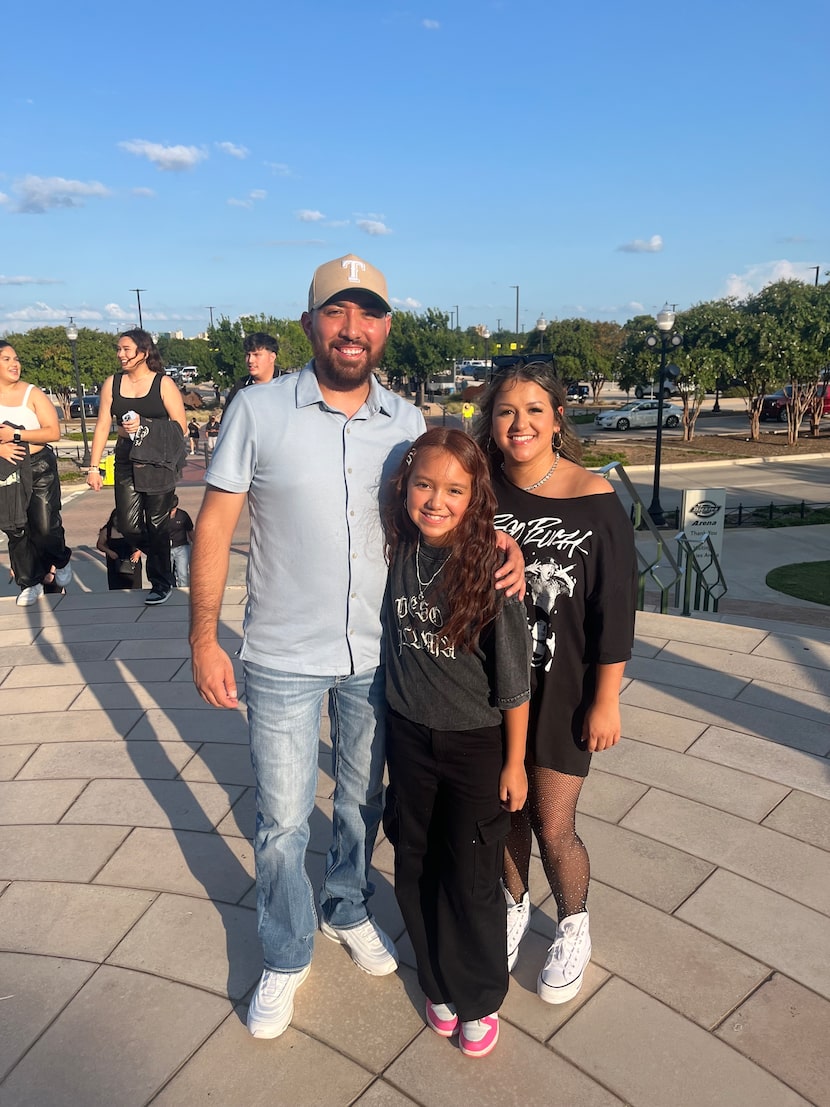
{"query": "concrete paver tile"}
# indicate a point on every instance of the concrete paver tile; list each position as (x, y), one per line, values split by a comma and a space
(37, 801)
(754, 666)
(693, 973)
(241, 819)
(651, 1056)
(641, 866)
(793, 868)
(60, 852)
(149, 1027)
(90, 632)
(102, 672)
(57, 654)
(68, 726)
(522, 1006)
(182, 805)
(678, 675)
(803, 816)
(87, 760)
(13, 758)
(175, 724)
(35, 989)
(69, 920)
(159, 695)
(368, 1018)
(798, 702)
(734, 714)
(647, 725)
(234, 1068)
(740, 793)
(785, 935)
(184, 862)
(19, 638)
(705, 631)
(434, 1072)
(177, 648)
(381, 1094)
(783, 1027)
(607, 796)
(799, 649)
(209, 945)
(222, 762)
(647, 647)
(768, 759)
(20, 701)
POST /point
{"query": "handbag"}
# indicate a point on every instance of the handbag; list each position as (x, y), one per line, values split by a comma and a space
(127, 567)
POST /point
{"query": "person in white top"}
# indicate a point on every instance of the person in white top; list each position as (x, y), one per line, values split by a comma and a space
(28, 423)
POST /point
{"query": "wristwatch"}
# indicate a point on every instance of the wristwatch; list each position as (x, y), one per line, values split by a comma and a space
(17, 439)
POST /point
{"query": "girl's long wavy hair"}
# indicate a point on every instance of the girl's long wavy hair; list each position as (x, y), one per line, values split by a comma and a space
(471, 598)
(536, 372)
(144, 344)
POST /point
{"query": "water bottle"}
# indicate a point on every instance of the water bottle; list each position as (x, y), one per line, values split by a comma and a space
(127, 416)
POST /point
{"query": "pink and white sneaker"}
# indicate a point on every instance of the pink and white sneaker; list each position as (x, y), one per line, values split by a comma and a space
(441, 1018)
(479, 1037)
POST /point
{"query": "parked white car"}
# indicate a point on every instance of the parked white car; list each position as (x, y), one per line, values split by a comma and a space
(639, 413)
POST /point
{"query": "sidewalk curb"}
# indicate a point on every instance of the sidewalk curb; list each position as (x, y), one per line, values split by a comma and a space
(638, 469)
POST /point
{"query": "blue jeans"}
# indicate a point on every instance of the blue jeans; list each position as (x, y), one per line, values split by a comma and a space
(181, 564)
(284, 711)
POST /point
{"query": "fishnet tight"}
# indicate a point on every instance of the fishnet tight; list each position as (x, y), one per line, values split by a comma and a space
(550, 813)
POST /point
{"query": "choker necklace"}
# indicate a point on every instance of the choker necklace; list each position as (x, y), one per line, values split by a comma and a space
(547, 475)
(423, 585)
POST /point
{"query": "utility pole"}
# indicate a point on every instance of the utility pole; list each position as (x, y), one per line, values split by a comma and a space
(138, 292)
(210, 308)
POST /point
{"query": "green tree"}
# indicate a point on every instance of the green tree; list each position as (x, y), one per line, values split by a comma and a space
(225, 340)
(419, 345)
(704, 358)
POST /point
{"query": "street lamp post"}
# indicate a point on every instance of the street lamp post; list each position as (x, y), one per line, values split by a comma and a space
(667, 339)
(138, 292)
(541, 327)
(517, 309)
(72, 336)
(716, 405)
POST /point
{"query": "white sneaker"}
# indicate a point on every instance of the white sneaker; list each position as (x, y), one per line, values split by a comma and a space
(561, 978)
(518, 922)
(272, 1004)
(370, 949)
(29, 595)
(63, 576)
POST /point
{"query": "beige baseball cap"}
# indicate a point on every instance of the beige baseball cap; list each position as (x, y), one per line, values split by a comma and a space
(346, 274)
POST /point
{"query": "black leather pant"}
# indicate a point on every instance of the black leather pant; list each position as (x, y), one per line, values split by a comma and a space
(41, 543)
(144, 518)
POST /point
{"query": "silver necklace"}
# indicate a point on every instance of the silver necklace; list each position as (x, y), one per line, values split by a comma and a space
(423, 585)
(547, 475)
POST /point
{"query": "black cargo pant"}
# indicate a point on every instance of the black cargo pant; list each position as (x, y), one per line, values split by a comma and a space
(447, 827)
(144, 519)
(41, 543)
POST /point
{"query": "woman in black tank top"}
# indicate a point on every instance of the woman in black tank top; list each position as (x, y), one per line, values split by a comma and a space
(141, 391)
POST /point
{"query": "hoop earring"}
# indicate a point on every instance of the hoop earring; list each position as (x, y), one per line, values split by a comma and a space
(556, 441)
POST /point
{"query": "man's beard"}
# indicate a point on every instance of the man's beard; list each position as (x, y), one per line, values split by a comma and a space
(348, 376)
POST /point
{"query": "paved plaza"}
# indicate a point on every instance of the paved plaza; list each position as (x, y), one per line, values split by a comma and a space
(128, 945)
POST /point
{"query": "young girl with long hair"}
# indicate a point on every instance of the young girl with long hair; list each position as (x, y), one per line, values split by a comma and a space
(457, 686)
(580, 566)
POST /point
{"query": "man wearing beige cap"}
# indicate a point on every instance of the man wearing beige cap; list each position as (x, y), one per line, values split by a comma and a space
(309, 453)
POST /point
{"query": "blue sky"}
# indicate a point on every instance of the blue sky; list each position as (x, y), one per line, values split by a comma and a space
(606, 158)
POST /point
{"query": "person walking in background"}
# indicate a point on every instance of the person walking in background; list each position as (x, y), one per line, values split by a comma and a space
(181, 535)
(261, 351)
(212, 432)
(309, 454)
(123, 559)
(468, 410)
(34, 529)
(193, 435)
(457, 669)
(578, 545)
(142, 396)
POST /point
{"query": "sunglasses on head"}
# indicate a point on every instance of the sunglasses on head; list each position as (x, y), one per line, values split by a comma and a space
(509, 361)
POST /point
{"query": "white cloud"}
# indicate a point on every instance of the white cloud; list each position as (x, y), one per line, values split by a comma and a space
(639, 246)
(29, 280)
(233, 150)
(4, 199)
(430, 24)
(756, 277)
(338, 222)
(40, 312)
(115, 311)
(307, 216)
(278, 168)
(409, 304)
(248, 202)
(39, 194)
(168, 159)
(373, 227)
(148, 192)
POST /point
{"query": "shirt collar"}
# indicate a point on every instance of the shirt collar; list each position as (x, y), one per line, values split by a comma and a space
(308, 392)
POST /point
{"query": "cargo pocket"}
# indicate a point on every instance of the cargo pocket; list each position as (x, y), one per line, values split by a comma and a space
(489, 851)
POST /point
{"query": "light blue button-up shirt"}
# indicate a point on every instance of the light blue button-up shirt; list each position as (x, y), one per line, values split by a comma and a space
(316, 572)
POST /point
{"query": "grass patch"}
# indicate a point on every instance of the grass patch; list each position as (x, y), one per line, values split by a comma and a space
(596, 460)
(790, 516)
(809, 580)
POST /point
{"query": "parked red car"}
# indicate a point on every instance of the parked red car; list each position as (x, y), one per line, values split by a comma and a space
(775, 406)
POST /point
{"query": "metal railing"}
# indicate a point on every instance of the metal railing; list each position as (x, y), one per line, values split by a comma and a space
(702, 575)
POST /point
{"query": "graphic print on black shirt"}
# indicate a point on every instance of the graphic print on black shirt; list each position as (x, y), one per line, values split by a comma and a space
(549, 578)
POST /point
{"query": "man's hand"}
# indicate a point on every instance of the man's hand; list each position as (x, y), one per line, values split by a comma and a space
(213, 675)
(511, 575)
